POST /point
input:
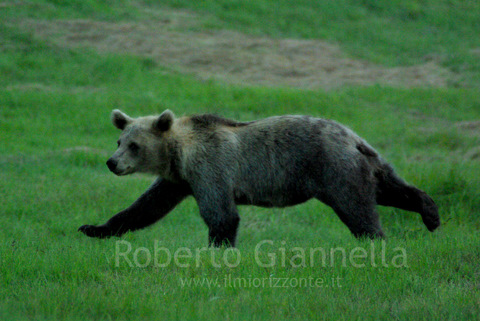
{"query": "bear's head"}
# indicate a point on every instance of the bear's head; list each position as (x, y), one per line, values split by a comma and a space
(142, 146)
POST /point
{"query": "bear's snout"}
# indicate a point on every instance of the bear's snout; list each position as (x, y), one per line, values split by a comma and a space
(112, 164)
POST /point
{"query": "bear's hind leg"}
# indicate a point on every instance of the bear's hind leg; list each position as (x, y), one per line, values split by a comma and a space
(361, 219)
(393, 191)
(354, 203)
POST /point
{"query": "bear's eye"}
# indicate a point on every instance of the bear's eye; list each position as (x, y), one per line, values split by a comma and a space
(134, 147)
(118, 143)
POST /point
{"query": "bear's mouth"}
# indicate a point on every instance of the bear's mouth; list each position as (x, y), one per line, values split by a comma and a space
(124, 172)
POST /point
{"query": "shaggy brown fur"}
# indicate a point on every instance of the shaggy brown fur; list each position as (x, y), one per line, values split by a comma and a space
(274, 162)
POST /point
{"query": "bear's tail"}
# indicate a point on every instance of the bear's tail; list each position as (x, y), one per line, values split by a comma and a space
(393, 191)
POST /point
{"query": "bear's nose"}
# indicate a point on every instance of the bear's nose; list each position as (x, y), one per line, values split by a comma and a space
(111, 164)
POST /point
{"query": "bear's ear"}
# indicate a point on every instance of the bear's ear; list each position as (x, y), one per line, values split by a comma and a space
(120, 120)
(164, 121)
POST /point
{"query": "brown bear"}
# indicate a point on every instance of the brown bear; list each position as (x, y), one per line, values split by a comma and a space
(274, 162)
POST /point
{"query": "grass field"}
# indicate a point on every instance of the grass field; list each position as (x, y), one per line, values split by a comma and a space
(55, 133)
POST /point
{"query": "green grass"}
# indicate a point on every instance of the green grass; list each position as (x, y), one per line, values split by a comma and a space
(387, 32)
(55, 136)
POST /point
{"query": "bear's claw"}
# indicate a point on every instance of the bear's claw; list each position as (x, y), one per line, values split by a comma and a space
(94, 231)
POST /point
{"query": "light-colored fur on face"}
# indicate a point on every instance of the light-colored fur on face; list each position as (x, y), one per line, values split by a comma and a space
(142, 146)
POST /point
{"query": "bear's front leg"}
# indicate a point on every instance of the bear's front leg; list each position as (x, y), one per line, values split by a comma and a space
(155, 203)
(100, 231)
(218, 210)
(223, 233)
